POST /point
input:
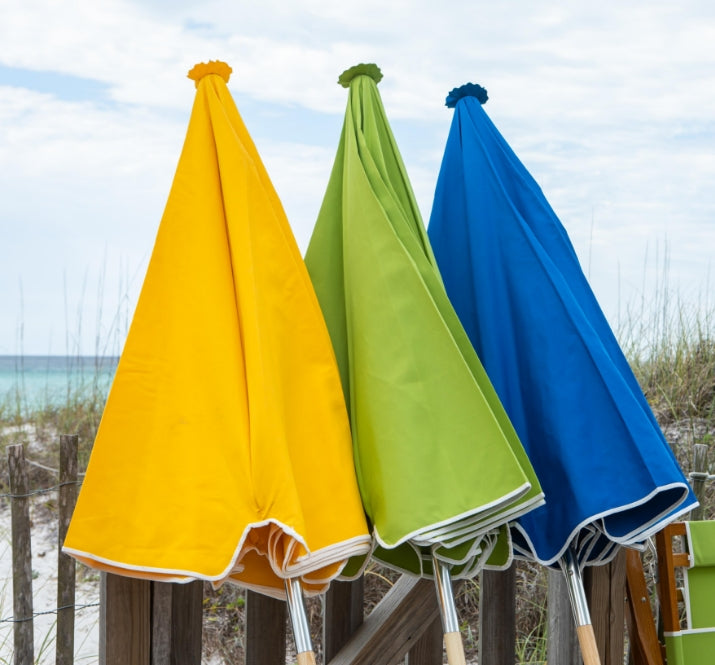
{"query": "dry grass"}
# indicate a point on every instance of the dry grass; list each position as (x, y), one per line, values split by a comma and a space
(673, 358)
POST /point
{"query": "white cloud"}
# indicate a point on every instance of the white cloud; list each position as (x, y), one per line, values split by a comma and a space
(610, 105)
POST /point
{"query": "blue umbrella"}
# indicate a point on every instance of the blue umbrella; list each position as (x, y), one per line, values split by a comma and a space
(608, 474)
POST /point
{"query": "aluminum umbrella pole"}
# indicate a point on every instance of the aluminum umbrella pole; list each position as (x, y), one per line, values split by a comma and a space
(448, 611)
(579, 605)
(299, 623)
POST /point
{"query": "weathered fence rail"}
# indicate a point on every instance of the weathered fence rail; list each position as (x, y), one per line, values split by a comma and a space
(152, 623)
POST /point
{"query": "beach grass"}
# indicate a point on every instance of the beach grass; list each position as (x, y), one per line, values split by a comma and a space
(669, 345)
(41, 421)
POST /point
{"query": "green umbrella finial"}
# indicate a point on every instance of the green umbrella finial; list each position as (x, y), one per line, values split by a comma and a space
(370, 69)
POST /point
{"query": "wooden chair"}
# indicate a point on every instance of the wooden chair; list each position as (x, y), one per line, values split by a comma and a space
(689, 633)
(693, 643)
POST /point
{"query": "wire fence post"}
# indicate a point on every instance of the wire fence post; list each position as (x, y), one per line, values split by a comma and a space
(66, 564)
(698, 478)
(21, 557)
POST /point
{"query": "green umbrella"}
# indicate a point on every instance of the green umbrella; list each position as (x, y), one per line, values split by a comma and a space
(439, 465)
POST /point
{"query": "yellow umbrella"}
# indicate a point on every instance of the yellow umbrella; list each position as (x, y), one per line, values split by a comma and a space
(224, 451)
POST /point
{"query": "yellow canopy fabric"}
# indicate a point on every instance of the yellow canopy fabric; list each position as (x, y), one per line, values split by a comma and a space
(224, 451)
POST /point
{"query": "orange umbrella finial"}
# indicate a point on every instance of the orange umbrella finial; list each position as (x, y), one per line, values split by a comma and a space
(211, 67)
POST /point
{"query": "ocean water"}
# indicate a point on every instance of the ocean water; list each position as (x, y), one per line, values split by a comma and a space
(36, 381)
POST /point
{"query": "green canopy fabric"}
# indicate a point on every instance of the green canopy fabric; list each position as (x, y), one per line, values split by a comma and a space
(439, 466)
(695, 644)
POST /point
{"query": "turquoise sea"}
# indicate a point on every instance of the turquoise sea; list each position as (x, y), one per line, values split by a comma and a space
(35, 381)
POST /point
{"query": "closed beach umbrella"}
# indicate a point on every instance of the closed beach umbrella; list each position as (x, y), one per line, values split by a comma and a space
(608, 474)
(224, 451)
(439, 466)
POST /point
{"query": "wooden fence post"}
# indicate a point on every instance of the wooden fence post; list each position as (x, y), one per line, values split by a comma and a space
(497, 616)
(265, 630)
(66, 564)
(21, 557)
(176, 623)
(343, 614)
(124, 620)
(606, 593)
(562, 642)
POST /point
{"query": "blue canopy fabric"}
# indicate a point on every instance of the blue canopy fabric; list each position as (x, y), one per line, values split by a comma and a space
(608, 474)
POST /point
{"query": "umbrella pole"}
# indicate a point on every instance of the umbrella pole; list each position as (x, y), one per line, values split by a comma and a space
(448, 611)
(579, 605)
(299, 623)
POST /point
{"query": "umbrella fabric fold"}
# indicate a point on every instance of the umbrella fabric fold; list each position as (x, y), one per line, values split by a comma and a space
(224, 451)
(608, 474)
(439, 466)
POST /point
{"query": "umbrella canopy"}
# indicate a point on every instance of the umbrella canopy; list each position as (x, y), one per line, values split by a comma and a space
(608, 474)
(224, 451)
(438, 463)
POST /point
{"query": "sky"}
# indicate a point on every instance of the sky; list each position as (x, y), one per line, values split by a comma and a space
(609, 104)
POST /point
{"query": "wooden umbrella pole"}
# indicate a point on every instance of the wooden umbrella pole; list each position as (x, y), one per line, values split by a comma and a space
(299, 623)
(448, 610)
(579, 605)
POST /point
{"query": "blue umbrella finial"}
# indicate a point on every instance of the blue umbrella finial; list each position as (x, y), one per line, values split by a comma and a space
(370, 69)
(466, 90)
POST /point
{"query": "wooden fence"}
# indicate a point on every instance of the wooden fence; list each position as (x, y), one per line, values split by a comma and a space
(152, 623)
(405, 624)
(20, 495)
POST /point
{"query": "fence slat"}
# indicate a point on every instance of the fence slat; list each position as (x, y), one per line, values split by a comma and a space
(562, 645)
(64, 653)
(606, 593)
(21, 557)
(265, 630)
(124, 621)
(177, 614)
(497, 616)
(343, 614)
(394, 626)
(161, 618)
(429, 649)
